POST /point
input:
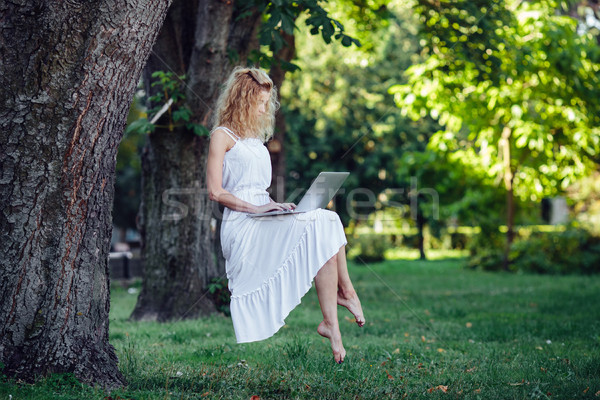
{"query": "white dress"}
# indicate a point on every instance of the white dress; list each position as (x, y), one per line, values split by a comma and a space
(270, 261)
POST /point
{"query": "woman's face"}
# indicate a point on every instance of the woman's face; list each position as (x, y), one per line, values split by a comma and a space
(262, 101)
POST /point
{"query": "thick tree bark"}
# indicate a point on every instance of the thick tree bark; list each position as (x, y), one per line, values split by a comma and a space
(68, 72)
(178, 246)
(275, 146)
(421, 233)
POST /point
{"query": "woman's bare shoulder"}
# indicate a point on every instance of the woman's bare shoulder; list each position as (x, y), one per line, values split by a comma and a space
(220, 139)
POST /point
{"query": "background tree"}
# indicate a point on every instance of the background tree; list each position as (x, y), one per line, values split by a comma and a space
(194, 48)
(515, 87)
(340, 115)
(68, 74)
(199, 45)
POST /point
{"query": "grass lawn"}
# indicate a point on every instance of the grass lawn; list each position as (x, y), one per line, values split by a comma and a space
(434, 330)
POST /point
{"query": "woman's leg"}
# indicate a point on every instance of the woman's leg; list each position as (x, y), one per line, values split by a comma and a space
(326, 283)
(346, 295)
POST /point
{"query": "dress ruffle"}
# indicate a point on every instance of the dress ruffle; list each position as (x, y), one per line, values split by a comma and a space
(283, 291)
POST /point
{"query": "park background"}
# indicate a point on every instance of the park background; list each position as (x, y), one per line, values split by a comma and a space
(471, 131)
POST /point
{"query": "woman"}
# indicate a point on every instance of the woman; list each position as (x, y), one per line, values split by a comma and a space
(271, 261)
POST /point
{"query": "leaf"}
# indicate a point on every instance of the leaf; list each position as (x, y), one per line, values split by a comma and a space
(438, 387)
(244, 15)
(140, 126)
(287, 24)
(198, 129)
(182, 114)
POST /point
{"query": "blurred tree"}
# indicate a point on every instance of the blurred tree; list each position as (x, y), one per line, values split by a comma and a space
(341, 116)
(68, 72)
(339, 113)
(516, 88)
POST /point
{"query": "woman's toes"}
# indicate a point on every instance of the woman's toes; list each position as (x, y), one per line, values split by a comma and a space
(353, 305)
(334, 336)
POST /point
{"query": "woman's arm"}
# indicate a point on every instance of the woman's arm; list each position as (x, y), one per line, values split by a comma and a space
(220, 143)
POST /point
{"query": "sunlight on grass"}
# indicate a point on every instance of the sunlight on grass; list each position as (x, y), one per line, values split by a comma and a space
(401, 253)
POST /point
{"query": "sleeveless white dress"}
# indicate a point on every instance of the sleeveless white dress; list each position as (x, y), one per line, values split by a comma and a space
(270, 261)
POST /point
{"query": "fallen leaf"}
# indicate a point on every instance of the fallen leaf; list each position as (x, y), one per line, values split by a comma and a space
(440, 350)
(438, 387)
(469, 325)
(397, 351)
(406, 334)
(391, 378)
(539, 348)
(423, 339)
(586, 389)
(477, 391)
(471, 369)
(353, 320)
(597, 393)
(255, 397)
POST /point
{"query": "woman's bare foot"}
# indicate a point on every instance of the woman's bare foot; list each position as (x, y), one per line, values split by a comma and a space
(352, 303)
(335, 337)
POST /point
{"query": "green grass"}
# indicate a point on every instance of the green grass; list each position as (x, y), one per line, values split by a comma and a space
(430, 325)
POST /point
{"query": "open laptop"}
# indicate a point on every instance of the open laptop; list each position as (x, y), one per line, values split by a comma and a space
(320, 193)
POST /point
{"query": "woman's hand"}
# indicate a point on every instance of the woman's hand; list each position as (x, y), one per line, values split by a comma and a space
(273, 206)
(288, 206)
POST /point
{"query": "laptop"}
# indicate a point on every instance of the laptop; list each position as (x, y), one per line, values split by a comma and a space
(318, 195)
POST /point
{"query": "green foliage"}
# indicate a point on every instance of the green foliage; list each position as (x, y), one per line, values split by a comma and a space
(572, 251)
(279, 18)
(513, 75)
(217, 287)
(340, 116)
(585, 198)
(170, 100)
(369, 247)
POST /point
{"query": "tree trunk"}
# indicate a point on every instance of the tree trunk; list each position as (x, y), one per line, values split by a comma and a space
(275, 146)
(68, 73)
(421, 233)
(178, 242)
(508, 185)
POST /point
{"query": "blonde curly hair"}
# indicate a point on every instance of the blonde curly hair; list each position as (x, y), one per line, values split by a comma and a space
(238, 100)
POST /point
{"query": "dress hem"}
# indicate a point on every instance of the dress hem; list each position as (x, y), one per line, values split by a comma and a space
(302, 265)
